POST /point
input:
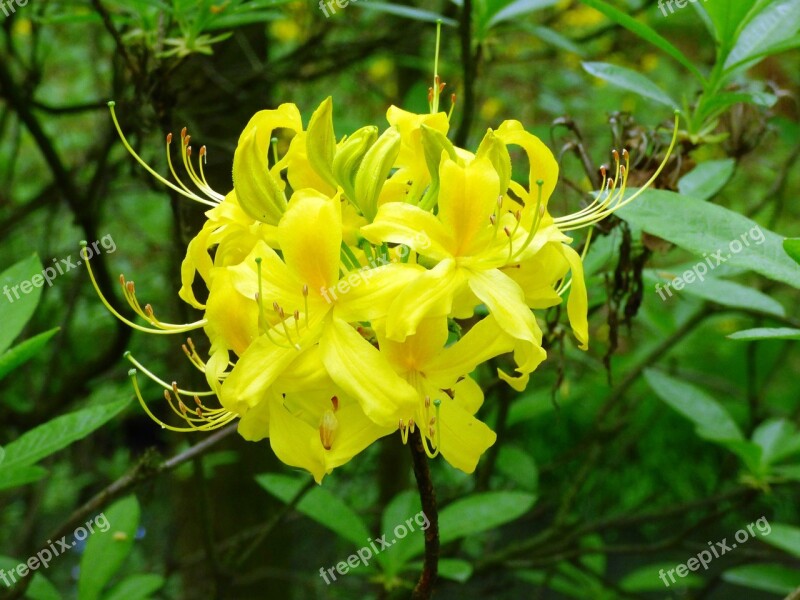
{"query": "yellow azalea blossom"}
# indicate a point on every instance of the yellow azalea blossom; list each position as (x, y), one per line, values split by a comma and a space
(334, 270)
(303, 300)
(468, 250)
(448, 397)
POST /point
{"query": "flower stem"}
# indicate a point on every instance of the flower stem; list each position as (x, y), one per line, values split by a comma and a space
(422, 473)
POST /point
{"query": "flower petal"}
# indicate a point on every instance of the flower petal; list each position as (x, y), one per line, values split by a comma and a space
(506, 303)
(370, 292)
(429, 295)
(578, 302)
(310, 235)
(362, 372)
(402, 223)
(484, 341)
(467, 198)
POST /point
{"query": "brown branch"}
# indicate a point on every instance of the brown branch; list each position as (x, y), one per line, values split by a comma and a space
(422, 473)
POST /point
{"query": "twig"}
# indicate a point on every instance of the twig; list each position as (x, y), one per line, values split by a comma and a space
(422, 473)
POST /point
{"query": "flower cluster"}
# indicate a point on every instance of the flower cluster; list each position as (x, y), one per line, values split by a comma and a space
(355, 284)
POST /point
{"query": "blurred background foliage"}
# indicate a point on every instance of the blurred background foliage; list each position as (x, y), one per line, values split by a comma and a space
(612, 465)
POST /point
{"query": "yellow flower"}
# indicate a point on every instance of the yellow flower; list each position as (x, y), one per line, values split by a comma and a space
(447, 396)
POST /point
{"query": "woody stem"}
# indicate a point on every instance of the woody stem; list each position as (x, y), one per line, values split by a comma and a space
(430, 569)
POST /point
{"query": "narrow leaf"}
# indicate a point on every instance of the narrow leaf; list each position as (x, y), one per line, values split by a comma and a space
(712, 422)
(645, 32)
(58, 433)
(705, 228)
(318, 505)
(630, 80)
(23, 352)
(707, 178)
(481, 512)
(766, 333)
(18, 298)
(774, 578)
(106, 550)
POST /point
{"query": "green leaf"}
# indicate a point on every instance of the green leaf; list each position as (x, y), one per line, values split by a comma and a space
(630, 80)
(106, 550)
(403, 506)
(319, 505)
(519, 467)
(785, 537)
(705, 228)
(2, 455)
(646, 579)
(516, 9)
(711, 107)
(16, 307)
(707, 178)
(136, 587)
(789, 472)
(553, 38)
(766, 333)
(778, 440)
(19, 476)
(481, 512)
(454, 569)
(416, 14)
(41, 589)
(712, 422)
(645, 32)
(792, 248)
(774, 578)
(59, 433)
(777, 23)
(719, 291)
(727, 15)
(23, 352)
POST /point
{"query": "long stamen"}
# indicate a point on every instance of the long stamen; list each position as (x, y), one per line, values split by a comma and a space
(616, 198)
(224, 419)
(159, 381)
(113, 311)
(149, 169)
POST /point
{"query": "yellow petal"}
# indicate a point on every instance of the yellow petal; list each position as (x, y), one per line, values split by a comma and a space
(578, 302)
(418, 351)
(543, 165)
(483, 341)
(463, 437)
(401, 223)
(537, 276)
(368, 293)
(295, 442)
(230, 314)
(254, 424)
(506, 303)
(260, 196)
(257, 369)
(362, 372)
(300, 173)
(467, 198)
(310, 235)
(429, 295)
